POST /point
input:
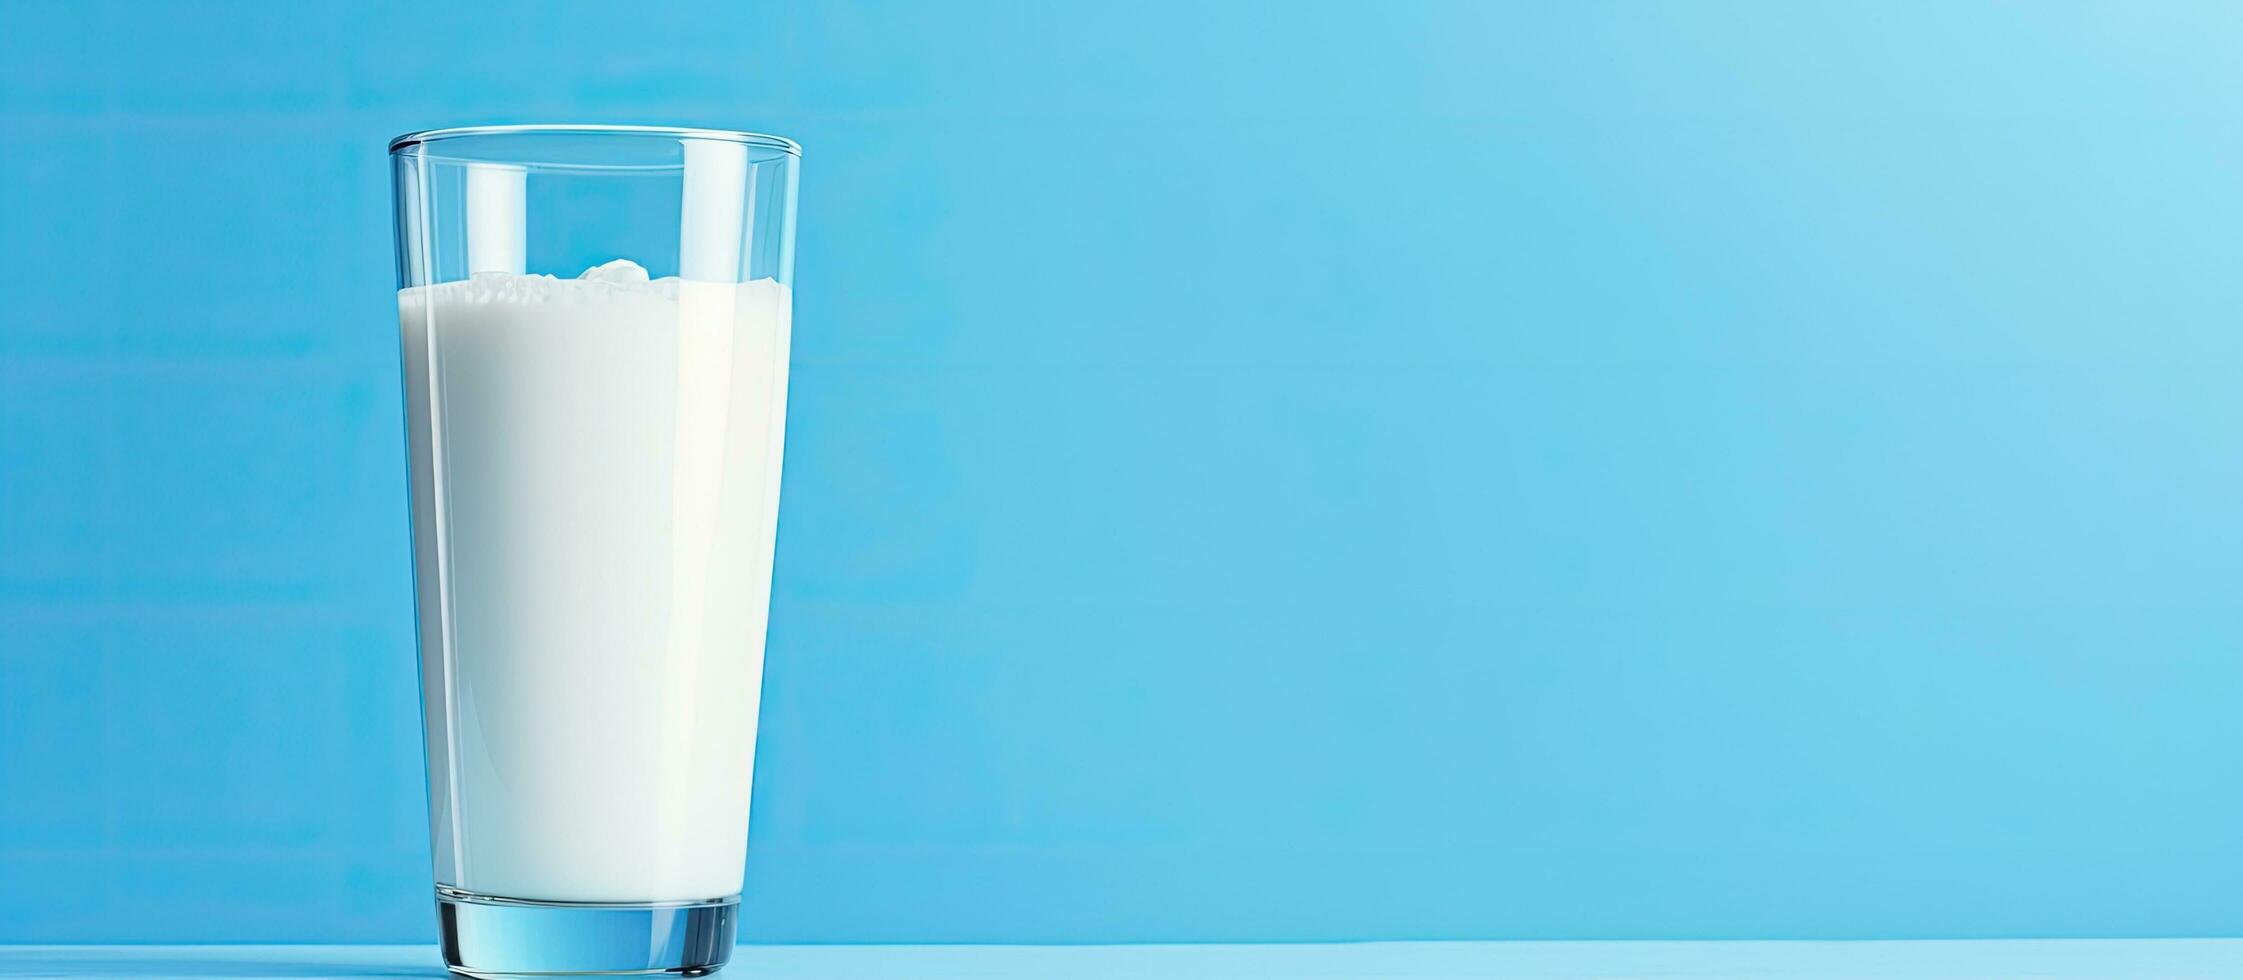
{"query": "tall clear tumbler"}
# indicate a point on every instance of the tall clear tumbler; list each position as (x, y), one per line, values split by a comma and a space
(595, 329)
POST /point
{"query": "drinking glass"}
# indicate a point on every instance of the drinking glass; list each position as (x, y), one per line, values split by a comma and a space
(594, 324)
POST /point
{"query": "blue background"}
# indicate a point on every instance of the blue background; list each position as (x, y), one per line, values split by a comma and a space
(1315, 471)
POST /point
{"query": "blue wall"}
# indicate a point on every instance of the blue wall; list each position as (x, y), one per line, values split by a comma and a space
(1320, 471)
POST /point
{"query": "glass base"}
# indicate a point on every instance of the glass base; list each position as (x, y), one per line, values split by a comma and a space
(491, 936)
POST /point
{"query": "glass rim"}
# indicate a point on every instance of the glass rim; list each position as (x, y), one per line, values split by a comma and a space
(765, 140)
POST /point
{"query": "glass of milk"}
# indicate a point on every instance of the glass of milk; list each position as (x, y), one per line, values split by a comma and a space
(595, 327)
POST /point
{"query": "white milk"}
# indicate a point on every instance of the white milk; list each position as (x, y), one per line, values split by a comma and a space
(595, 487)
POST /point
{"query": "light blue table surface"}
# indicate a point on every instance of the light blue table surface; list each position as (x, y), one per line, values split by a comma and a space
(2006, 959)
